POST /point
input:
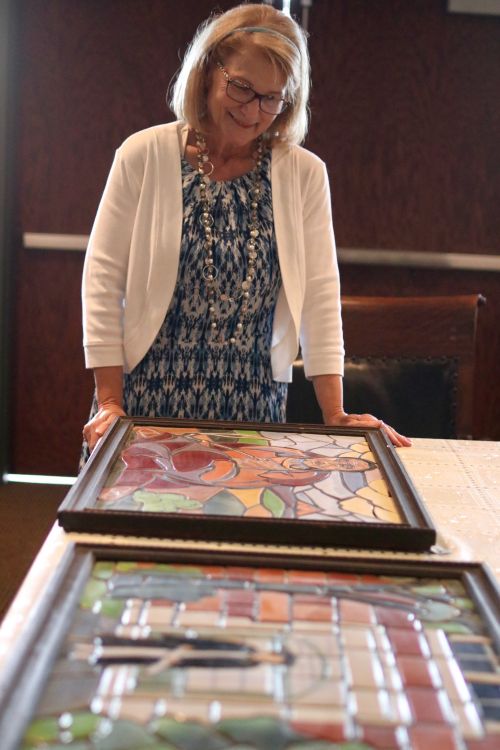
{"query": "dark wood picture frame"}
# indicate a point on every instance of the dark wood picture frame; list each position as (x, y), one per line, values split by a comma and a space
(414, 533)
(35, 651)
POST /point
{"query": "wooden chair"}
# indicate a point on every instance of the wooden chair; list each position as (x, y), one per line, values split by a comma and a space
(409, 360)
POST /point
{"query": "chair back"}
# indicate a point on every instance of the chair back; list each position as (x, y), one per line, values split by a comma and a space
(409, 360)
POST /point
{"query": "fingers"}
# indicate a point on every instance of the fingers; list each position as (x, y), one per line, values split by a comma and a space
(399, 441)
(94, 430)
(371, 422)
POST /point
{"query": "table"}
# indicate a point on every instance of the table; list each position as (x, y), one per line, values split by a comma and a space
(459, 481)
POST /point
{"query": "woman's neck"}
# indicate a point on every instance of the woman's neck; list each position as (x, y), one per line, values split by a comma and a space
(229, 160)
(222, 153)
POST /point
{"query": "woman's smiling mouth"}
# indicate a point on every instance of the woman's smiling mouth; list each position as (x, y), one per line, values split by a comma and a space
(241, 124)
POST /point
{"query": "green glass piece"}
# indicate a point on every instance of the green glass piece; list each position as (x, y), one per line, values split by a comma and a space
(78, 745)
(247, 440)
(42, 730)
(249, 434)
(84, 724)
(273, 503)
(164, 502)
(454, 627)
(126, 735)
(464, 603)
(93, 592)
(112, 608)
(46, 729)
(327, 745)
(430, 589)
(262, 732)
(103, 570)
(125, 566)
(189, 735)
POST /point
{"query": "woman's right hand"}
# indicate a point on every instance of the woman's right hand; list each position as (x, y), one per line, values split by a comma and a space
(97, 426)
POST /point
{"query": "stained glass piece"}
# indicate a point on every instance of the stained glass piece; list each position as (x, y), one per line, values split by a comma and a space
(258, 511)
(273, 503)
(224, 503)
(94, 592)
(182, 470)
(189, 735)
(264, 732)
(359, 505)
(237, 657)
(427, 736)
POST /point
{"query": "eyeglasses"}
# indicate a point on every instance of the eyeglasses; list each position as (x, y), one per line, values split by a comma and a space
(271, 104)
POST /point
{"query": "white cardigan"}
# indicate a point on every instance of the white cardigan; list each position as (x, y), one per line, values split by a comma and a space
(133, 255)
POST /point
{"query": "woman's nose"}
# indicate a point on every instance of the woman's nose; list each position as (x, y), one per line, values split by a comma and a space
(251, 107)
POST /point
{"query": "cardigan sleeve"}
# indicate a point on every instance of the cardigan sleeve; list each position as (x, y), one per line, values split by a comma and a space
(106, 261)
(321, 326)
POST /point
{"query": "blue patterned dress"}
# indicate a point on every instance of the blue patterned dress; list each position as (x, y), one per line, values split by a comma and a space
(190, 371)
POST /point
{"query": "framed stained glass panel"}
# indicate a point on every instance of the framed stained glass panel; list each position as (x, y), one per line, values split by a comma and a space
(135, 649)
(293, 484)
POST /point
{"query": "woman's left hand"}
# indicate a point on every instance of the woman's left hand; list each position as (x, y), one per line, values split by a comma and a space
(342, 419)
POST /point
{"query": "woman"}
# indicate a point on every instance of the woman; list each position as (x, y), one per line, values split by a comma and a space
(212, 253)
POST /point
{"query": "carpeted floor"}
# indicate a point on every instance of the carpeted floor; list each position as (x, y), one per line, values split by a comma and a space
(28, 512)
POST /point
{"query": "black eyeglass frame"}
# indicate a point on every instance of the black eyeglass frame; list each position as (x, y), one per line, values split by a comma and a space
(245, 87)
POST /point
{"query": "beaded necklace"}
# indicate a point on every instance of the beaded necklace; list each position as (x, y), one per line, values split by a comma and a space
(210, 270)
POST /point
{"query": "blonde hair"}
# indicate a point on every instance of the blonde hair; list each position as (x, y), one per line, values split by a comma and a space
(277, 36)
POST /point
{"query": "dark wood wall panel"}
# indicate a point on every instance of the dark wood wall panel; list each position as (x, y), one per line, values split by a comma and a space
(51, 389)
(405, 111)
(91, 73)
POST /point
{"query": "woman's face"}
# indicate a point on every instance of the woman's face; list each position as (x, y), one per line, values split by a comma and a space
(231, 122)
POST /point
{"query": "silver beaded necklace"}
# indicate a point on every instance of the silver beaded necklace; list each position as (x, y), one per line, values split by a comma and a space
(210, 271)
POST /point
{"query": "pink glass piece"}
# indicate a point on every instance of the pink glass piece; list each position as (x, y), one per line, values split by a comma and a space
(380, 738)
(425, 705)
(364, 669)
(312, 611)
(342, 578)
(239, 574)
(269, 575)
(374, 706)
(241, 609)
(304, 576)
(417, 672)
(321, 731)
(273, 606)
(355, 612)
(240, 596)
(408, 642)
(206, 604)
(396, 618)
(434, 737)
(357, 638)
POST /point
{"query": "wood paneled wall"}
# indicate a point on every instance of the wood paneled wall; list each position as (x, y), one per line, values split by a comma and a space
(405, 112)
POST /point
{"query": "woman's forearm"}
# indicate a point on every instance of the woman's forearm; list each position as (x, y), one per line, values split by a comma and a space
(329, 393)
(109, 393)
(109, 385)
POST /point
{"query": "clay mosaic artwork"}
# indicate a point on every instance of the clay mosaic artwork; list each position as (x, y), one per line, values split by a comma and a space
(183, 657)
(249, 473)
